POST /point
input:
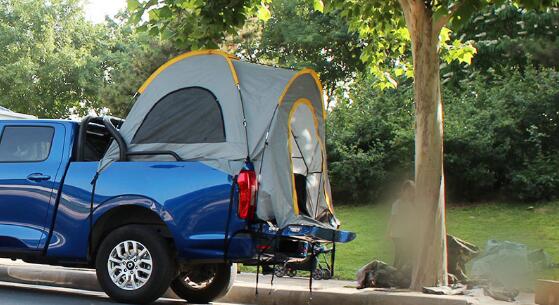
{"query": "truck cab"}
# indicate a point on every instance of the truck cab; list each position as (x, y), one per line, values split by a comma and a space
(33, 155)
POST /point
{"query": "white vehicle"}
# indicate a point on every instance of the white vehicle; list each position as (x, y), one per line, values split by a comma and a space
(7, 114)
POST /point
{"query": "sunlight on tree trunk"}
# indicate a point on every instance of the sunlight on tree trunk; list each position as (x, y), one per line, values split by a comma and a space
(430, 268)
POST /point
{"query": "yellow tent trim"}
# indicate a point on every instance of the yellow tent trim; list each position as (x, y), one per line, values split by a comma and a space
(328, 201)
(313, 74)
(228, 57)
(308, 103)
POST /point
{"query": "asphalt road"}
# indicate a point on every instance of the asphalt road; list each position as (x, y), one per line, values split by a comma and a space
(19, 294)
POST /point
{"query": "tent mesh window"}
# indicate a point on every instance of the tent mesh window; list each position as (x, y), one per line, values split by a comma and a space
(186, 116)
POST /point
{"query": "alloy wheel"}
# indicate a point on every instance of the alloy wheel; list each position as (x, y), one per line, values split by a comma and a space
(130, 265)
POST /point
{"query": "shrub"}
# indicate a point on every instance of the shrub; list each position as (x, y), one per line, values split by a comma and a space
(370, 141)
(499, 131)
(501, 138)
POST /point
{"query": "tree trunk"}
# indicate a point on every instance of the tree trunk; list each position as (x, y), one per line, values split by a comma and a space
(430, 267)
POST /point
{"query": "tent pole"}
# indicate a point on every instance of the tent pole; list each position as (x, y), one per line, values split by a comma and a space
(244, 119)
(264, 150)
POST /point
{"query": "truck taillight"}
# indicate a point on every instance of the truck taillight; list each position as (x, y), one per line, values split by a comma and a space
(248, 187)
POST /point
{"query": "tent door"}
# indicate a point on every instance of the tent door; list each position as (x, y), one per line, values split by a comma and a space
(306, 160)
(301, 190)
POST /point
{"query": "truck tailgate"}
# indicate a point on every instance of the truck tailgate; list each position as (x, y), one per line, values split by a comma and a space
(307, 233)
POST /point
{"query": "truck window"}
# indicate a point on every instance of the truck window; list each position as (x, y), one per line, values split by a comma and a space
(188, 115)
(25, 143)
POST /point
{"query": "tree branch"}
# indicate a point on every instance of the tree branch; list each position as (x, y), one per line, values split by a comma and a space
(441, 22)
(406, 5)
(406, 8)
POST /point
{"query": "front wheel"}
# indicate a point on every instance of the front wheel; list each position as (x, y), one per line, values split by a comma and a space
(134, 265)
(204, 283)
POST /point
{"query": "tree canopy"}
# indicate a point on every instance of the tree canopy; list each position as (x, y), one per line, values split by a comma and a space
(131, 56)
(381, 26)
(510, 35)
(192, 24)
(52, 63)
(298, 36)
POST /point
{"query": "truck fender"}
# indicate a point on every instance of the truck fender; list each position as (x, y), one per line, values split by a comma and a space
(125, 210)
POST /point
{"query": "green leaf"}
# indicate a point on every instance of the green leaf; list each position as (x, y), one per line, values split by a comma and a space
(153, 15)
(409, 73)
(188, 4)
(165, 12)
(263, 13)
(444, 36)
(467, 58)
(154, 31)
(133, 5)
(142, 28)
(318, 5)
(166, 34)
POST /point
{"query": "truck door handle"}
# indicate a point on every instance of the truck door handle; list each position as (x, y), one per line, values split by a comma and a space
(38, 177)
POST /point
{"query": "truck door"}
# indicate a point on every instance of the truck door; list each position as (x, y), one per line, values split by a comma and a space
(30, 161)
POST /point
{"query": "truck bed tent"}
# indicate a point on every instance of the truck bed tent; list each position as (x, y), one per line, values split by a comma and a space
(211, 107)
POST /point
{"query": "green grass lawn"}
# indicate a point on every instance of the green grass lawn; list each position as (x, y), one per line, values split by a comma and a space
(538, 228)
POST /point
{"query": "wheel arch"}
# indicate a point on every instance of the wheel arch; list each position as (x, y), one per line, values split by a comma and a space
(123, 212)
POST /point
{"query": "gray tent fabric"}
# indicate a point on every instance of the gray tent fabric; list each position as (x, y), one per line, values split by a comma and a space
(207, 71)
(299, 120)
(196, 108)
(274, 117)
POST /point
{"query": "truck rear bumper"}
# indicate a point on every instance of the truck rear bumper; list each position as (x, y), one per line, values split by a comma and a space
(271, 245)
(307, 233)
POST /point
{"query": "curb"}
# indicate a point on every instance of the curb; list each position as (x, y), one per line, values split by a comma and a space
(50, 276)
(83, 279)
(242, 292)
(245, 294)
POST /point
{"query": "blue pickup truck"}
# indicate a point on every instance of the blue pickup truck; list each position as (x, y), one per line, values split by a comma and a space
(149, 215)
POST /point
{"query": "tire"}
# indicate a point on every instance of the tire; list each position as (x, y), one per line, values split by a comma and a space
(280, 271)
(317, 274)
(135, 286)
(218, 280)
(326, 274)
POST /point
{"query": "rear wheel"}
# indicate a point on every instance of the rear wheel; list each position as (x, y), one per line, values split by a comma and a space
(317, 274)
(280, 270)
(205, 282)
(326, 274)
(134, 265)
